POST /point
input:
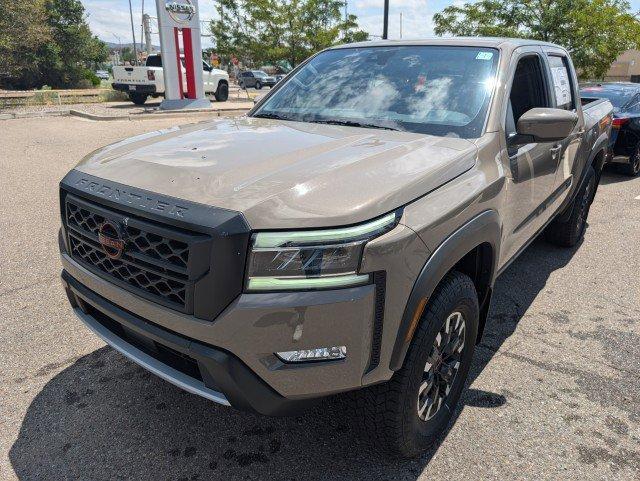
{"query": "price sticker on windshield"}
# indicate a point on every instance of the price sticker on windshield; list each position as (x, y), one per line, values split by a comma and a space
(484, 56)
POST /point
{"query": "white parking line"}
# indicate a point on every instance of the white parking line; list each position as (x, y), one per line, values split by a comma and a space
(638, 198)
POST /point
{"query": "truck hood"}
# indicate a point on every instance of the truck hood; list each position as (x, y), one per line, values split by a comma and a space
(283, 174)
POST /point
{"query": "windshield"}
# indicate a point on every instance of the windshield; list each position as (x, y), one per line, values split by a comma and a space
(427, 89)
(259, 73)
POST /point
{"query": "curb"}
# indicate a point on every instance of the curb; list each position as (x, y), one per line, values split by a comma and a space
(35, 115)
(88, 116)
(140, 116)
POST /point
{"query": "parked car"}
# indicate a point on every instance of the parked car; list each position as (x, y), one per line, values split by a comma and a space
(256, 79)
(280, 76)
(344, 236)
(147, 81)
(102, 74)
(625, 135)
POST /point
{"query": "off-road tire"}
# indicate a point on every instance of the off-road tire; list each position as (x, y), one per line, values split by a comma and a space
(568, 233)
(138, 99)
(387, 413)
(632, 169)
(222, 92)
(258, 85)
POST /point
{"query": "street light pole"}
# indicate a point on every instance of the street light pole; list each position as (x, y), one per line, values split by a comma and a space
(133, 34)
(385, 25)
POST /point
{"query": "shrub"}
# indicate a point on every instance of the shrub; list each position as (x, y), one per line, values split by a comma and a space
(92, 78)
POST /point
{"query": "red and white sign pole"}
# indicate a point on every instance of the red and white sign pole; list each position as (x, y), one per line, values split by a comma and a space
(179, 22)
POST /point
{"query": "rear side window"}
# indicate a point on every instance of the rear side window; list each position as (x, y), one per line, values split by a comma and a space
(528, 91)
(154, 61)
(562, 82)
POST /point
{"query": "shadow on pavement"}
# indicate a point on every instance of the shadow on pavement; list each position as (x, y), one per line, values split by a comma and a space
(105, 418)
(611, 175)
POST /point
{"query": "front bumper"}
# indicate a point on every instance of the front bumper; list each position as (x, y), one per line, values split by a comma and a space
(195, 367)
(231, 360)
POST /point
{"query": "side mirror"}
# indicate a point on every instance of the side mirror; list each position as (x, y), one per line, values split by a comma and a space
(547, 125)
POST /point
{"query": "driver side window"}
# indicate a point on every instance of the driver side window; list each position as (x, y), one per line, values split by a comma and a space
(528, 91)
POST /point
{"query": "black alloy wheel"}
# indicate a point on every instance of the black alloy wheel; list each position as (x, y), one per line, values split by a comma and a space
(442, 366)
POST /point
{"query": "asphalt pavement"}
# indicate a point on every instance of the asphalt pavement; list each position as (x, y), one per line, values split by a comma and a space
(554, 392)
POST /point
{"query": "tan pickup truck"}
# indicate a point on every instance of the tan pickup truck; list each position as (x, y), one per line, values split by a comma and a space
(344, 236)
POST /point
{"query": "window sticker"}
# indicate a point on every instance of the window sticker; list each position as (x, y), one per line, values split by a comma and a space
(484, 56)
(562, 85)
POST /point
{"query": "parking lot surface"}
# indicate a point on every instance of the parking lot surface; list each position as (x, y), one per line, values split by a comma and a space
(554, 392)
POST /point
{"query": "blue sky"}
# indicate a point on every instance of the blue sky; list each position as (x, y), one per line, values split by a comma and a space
(110, 18)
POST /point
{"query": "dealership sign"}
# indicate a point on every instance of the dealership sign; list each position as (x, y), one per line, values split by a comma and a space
(179, 26)
(181, 11)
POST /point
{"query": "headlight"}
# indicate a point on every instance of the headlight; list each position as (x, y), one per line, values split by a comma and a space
(312, 259)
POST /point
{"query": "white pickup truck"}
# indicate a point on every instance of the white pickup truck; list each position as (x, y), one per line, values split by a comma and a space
(141, 82)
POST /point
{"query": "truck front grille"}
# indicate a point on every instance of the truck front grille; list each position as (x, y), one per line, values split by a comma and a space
(153, 263)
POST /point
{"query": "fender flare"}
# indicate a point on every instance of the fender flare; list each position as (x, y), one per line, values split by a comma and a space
(600, 145)
(486, 227)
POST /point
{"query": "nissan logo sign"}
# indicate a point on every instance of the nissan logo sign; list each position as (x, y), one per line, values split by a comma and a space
(111, 238)
(181, 11)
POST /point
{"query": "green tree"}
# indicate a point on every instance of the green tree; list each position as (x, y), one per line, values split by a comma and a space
(73, 49)
(263, 31)
(127, 55)
(594, 31)
(46, 42)
(23, 33)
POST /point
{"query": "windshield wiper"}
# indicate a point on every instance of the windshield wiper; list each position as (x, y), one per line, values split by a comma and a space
(271, 116)
(352, 123)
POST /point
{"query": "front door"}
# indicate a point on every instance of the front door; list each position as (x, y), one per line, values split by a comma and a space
(530, 166)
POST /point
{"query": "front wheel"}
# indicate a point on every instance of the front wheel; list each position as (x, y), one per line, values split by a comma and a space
(138, 99)
(222, 92)
(405, 415)
(258, 85)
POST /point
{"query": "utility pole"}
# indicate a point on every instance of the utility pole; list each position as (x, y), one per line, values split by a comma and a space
(133, 34)
(385, 25)
(146, 25)
(142, 28)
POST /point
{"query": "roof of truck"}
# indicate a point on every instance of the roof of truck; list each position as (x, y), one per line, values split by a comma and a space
(494, 42)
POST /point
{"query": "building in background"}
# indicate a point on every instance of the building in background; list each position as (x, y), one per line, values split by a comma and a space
(626, 68)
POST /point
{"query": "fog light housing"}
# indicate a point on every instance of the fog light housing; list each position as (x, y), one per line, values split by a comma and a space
(313, 355)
